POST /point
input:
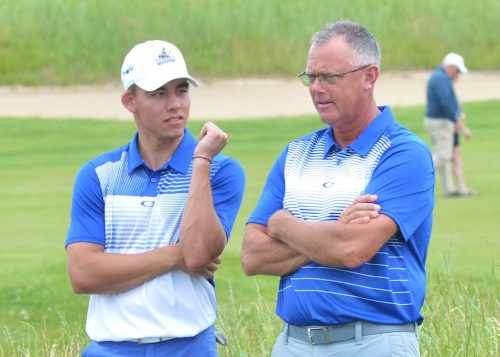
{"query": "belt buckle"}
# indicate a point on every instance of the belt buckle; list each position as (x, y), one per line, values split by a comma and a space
(148, 340)
(318, 328)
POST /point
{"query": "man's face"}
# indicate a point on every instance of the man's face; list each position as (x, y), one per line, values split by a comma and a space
(162, 114)
(339, 102)
(454, 73)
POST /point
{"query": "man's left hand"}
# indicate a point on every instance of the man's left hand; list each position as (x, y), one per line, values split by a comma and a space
(361, 211)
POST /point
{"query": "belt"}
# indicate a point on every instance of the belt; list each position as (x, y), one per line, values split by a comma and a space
(328, 334)
(146, 340)
(219, 338)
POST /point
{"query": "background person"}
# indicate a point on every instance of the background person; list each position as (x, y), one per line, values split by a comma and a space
(150, 219)
(346, 289)
(444, 121)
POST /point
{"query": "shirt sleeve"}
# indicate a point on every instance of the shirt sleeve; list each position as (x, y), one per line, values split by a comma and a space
(404, 183)
(87, 209)
(271, 199)
(228, 185)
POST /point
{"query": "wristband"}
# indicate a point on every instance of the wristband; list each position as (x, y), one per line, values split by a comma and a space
(202, 157)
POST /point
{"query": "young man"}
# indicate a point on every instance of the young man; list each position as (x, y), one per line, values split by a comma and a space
(350, 285)
(149, 220)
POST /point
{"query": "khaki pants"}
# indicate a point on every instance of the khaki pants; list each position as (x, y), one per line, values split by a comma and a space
(441, 132)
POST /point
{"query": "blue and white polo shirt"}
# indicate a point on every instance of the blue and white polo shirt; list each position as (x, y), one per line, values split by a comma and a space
(120, 203)
(316, 180)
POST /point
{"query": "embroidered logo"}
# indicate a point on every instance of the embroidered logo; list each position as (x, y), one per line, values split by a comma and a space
(328, 184)
(164, 57)
(128, 70)
(148, 203)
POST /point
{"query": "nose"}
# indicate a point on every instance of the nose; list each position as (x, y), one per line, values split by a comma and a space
(315, 85)
(173, 104)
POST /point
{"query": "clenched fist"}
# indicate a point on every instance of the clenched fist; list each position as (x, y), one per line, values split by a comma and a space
(212, 141)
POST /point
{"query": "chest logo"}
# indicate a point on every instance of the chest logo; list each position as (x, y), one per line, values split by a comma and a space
(148, 203)
(328, 184)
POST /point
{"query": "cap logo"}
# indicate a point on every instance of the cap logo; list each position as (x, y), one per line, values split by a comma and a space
(164, 57)
(128, 70)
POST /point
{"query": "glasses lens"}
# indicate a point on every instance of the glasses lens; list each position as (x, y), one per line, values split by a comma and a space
(324, 78)
(305, 79)
(329, 78)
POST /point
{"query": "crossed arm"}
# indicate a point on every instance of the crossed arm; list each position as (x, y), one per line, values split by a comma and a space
(287, 243)
(202, 238)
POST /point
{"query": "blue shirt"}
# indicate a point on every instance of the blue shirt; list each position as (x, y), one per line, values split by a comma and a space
(123, 205)
(316, 180)
(441, 99)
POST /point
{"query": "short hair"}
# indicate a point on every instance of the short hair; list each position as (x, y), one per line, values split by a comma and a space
(132, 89)
(364, 45)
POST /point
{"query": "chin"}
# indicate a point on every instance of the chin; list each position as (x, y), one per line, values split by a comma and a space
(327, 119)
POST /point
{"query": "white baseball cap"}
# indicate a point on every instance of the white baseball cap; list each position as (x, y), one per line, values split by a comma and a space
(151, 64)
(456, 60)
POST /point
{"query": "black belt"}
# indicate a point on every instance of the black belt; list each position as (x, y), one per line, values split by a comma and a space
(328, 334)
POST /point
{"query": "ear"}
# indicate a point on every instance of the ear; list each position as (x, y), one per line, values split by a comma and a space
(371, 77)
(128, 101)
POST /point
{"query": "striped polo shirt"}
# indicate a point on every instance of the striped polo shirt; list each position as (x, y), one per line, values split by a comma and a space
(120, 203)
(316, 180)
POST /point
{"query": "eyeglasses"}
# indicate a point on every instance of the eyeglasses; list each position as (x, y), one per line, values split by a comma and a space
(326, 78)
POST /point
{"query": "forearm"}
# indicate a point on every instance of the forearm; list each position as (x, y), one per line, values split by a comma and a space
(262, 255)
(332, 243)
(202, 237)
(461, 127)
(311, 239)
(92, 270)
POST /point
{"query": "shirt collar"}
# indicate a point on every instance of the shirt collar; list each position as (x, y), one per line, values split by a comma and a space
(330, 142)
(363, 144)
(443, 71)
(179, 161)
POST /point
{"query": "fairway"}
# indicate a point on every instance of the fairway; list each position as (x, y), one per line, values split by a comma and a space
(60, 65)
(40, 158)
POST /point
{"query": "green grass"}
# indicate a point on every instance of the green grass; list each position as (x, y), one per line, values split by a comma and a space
(40, 316)
(70, 41)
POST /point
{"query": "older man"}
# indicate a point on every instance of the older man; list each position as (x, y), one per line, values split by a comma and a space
(444, 121)
(349, 286)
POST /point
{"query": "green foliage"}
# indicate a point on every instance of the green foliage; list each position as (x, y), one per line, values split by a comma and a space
(40, 315)
(70, 41)
(462, 315)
